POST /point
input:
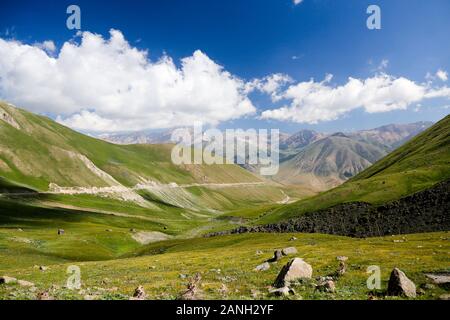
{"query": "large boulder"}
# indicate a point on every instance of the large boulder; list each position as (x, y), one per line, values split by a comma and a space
(400, 285)
(295, 269)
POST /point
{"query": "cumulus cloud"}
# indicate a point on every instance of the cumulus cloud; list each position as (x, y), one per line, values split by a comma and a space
(47, 45)
(271, 85)
(313, 102)
(107, 85)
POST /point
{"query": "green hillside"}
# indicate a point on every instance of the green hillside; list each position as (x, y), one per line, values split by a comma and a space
(40, 151)
(48, 168)
(417, 165)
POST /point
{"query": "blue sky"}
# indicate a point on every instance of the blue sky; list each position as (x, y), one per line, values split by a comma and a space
(255, 38)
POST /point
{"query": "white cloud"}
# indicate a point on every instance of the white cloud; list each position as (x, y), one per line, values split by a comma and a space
(313, 102)
(442, 75)
(107, 85)
(270, 85)
(296, 2)
(47, 45)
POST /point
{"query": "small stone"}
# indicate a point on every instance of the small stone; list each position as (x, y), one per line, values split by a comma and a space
(263, 267)
(326, 285)
(61, 232)
(108, 230)
(24, 283)
(43, 268)
(341, 258)
(293, 239)
(152, 267)
(295, 269)
(7, 280)
(20, 229)
(288, 251)
(44, 295)
(193, 289)
(182, 276)
(139, 293)
(400, 285)
(444, 297)
(258, 252)
(420, 291)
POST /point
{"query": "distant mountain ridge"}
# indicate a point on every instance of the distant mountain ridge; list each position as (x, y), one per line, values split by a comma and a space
(312, 159)
(328, 162)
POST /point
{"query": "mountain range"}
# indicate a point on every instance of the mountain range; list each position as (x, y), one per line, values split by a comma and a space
(312, 159)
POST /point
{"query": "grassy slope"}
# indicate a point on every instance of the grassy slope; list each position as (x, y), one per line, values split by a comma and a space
(158, 266)
(417, 165)
(36, 155)
(41, 152)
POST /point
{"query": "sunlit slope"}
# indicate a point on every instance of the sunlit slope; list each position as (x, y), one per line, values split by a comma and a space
(417, 165)
(36, 151)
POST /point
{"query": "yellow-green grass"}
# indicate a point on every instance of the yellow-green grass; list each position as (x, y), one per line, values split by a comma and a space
(230, 260)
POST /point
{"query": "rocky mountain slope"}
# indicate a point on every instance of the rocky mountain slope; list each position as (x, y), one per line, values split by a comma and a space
(329, 161)
(417, 165)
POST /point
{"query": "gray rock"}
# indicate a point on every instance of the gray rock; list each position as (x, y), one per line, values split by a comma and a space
(293, 239)
(444, 297)
(326, 285)
(341, 258)
(400, 285)
(263, 267)
(439, 278)
(295, 269)
(277, 255)
(43, 268)
(44, 296)
(288, 251)
(61, 232)
(139, 293)
(7, 280)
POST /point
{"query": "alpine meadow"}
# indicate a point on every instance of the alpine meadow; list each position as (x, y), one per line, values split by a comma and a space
(346, 105)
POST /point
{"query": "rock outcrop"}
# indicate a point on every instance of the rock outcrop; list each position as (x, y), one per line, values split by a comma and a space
(424, 211)
(400, 285)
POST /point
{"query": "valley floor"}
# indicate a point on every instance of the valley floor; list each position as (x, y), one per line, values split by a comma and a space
(226, 265)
